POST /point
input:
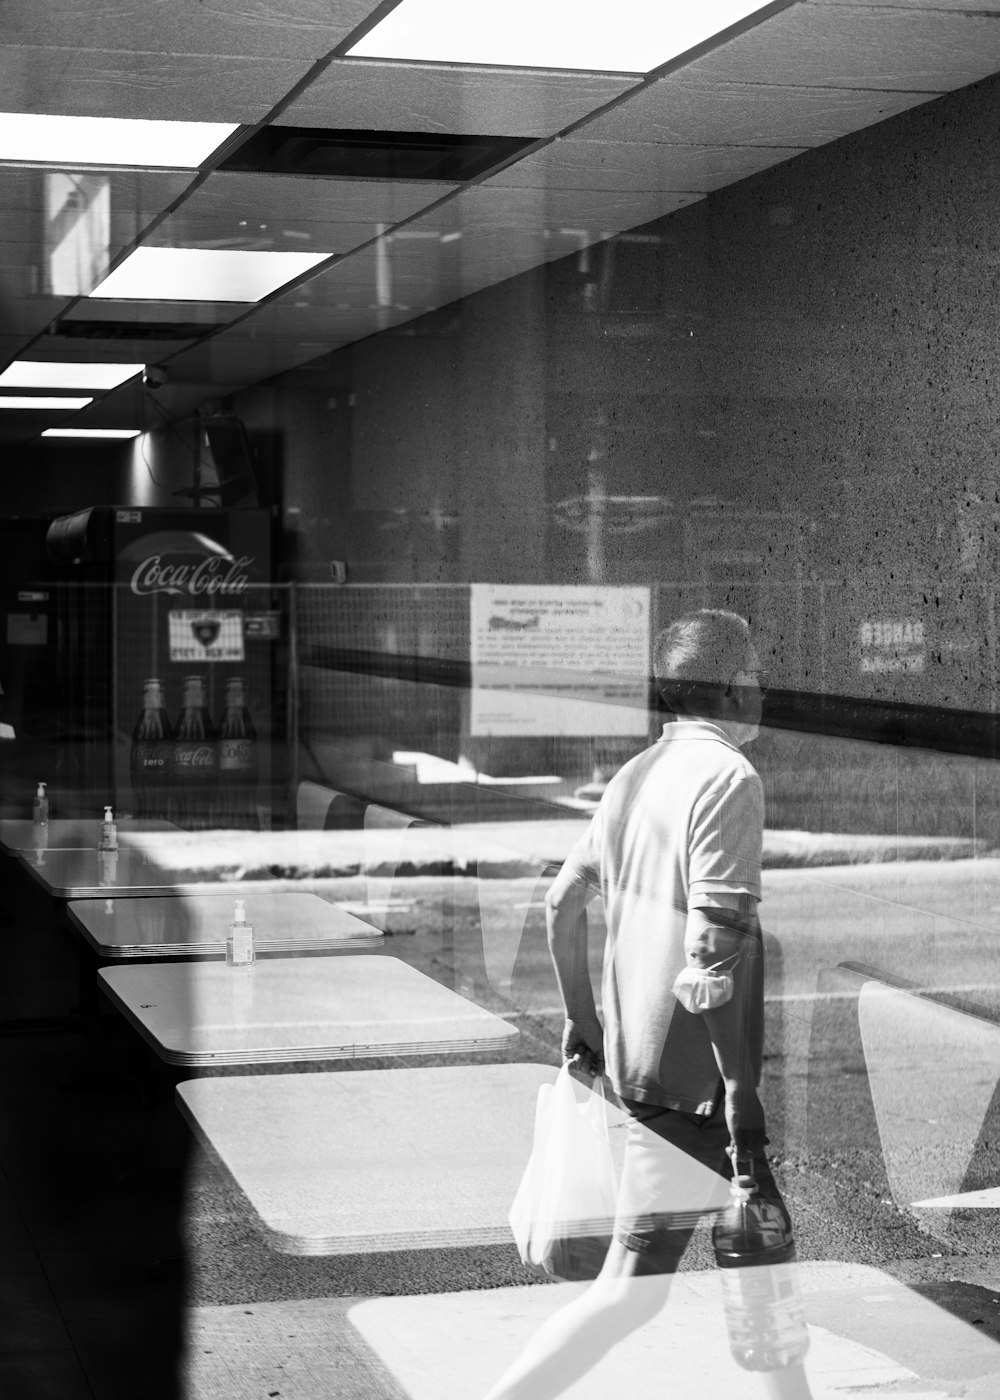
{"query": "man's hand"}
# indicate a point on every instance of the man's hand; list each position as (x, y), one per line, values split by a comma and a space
(566, 921)
(583, 1044)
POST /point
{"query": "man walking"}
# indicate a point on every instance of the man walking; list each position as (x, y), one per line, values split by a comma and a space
(674, 851)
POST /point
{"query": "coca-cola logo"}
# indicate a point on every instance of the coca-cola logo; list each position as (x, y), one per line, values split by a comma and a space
(202, 757)
(211, 577)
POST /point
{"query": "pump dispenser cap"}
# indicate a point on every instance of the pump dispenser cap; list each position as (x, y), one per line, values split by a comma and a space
(240, 913)
(41, 789)
(108, 814)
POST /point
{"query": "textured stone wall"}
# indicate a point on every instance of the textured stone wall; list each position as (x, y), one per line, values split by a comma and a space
(782, 397)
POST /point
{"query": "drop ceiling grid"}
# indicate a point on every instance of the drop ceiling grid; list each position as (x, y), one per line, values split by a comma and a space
(811, 74)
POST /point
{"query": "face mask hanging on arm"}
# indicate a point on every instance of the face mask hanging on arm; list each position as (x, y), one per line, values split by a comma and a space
(704, 988)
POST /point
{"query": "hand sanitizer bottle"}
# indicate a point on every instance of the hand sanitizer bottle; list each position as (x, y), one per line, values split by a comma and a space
(40, 809)
(109, 832)
(239, 944)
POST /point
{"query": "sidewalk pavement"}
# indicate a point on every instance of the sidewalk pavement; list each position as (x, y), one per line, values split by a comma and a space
(502, 850)
(869, 1335)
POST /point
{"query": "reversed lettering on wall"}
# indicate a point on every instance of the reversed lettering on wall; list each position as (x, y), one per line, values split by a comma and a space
(891, 644)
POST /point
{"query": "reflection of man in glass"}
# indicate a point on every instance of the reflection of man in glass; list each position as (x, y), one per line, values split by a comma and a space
(674, 850)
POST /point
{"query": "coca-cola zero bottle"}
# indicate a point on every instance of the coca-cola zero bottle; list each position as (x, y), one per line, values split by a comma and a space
(194, 769)
(238, 764)
(152, 754)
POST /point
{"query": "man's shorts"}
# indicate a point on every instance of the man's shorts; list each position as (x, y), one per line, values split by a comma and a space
(676, 1172)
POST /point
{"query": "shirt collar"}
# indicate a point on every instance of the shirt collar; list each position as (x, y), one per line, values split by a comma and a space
(691, 727)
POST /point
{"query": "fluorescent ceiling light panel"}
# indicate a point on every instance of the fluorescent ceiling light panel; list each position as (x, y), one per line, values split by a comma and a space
(63, 374)
(629, 36)
(92, 432)
(15, 401)
(109, 141)
(203, 274)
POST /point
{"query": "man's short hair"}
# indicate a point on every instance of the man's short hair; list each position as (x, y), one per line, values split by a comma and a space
(697, 656)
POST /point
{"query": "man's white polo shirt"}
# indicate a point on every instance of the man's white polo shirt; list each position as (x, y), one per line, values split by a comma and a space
(678, 825)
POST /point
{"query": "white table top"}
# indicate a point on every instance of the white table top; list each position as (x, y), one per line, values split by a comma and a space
(184, 925)
(288, 1009)
(133, 871)
(70, 833)
(374, 1159)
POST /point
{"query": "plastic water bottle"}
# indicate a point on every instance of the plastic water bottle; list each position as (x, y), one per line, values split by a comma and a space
(755, 1252)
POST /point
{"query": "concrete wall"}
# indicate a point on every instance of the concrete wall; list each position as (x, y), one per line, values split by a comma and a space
(800, 368)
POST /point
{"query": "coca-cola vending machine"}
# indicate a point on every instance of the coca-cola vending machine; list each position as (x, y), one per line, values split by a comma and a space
(167, 660)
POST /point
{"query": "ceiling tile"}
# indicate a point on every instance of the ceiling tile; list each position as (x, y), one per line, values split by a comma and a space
(816, 45)
(99, 83)
(491, 206)
(232, 361)
(24, 309)
(976, 6)
(682, 109)
(10, 345)
(145, 312)
(145, 351)
(308, 333)
(358, 95)
(279, 210)
(141, 192)
(246, 28)
(361, 283)
(573, 164)
(70, 225)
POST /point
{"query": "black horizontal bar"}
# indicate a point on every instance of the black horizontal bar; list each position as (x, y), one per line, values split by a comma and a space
(972, 732)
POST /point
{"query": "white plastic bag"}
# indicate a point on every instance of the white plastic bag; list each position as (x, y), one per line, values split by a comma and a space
(564, 1210)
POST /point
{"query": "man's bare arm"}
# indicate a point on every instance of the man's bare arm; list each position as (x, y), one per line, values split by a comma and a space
(717, 935)
(566, 924)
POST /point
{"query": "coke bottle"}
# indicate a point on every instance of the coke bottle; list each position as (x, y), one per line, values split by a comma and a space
(195, 763)
(238, 763)
(152, 754)
(755, 1252)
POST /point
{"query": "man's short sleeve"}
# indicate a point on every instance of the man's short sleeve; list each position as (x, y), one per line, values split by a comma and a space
(726, 835)
(583, 866)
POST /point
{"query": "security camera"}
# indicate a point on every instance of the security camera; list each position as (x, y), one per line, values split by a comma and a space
(154, 378)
